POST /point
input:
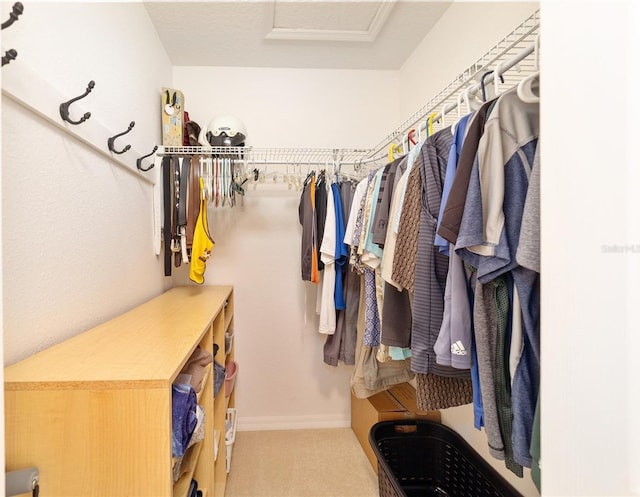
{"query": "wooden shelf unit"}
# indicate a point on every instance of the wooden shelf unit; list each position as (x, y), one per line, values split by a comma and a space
(93, 413)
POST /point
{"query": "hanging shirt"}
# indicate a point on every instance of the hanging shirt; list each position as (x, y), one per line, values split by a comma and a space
(358, 195)
(341, 254)
(485, 322)
(404, 258)
(454, 344)
(362, 221)
(321, 213)
(371, 313)
(491, 226)
(506, 155)
(327, 323)
(452, 164)
(431, 265)
(449, 221)
(503, 291)
(348, 343)
(315, 241)
(525, 382)
(411, 159)
(386, 264)
(528, 254)
(498, 186)
(354, 254)
(306, 214)
(306, 218)
(396, 312)
(381, 217)
(370, 252)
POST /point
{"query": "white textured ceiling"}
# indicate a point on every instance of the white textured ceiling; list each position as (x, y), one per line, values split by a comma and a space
(346, 34)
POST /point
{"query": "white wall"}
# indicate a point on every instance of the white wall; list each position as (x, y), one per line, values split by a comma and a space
(590, 206)
(466, 31)
(282, 380)
(314, 108)
(77, 229)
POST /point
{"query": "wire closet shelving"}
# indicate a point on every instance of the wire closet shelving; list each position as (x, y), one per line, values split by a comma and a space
(510, 58)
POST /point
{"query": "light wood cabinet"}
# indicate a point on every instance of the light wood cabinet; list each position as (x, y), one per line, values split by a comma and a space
(93, 413)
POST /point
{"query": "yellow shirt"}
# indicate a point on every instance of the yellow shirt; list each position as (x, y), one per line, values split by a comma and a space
(202, 242)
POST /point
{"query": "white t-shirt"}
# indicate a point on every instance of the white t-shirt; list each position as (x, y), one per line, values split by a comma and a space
(327, 323)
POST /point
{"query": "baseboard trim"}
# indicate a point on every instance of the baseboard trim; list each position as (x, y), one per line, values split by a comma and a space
(263, 423)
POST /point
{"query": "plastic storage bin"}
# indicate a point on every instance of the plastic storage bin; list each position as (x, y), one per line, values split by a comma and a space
(231, 370)
(423, 459)
(230, 438)
(228, 342)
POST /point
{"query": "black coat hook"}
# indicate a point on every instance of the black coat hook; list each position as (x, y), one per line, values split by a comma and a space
(139, 161)
(17, 10)
(8, 56)
(64, 107)
(111, 140)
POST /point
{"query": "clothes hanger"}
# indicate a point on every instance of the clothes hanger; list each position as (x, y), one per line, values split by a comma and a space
(458, 106)
(486, 95)
(528, 89)
(472, 105)
(430, 123)
(336, 170)
(497, 76)
(210, 192)
(310, 175)
(285, 178)
(393, 148)
(410, 136)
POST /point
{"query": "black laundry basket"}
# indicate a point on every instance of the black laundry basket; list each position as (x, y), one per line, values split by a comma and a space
(426, 459)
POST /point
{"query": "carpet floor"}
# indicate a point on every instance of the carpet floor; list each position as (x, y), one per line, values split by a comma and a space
(300, 463)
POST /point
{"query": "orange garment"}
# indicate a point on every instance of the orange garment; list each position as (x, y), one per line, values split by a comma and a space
(315, 276)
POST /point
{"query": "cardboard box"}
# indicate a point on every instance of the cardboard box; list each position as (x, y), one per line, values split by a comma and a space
(399, 402)
(405, 394)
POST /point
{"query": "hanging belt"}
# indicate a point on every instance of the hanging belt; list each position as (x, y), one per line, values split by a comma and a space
(181, 188)
(193, 200)
(185, 165)
(175, 239)
(166, 231)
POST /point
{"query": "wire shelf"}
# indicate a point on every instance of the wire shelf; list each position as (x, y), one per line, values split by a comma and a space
(511, 55)
(282, 156)
(512, 50)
